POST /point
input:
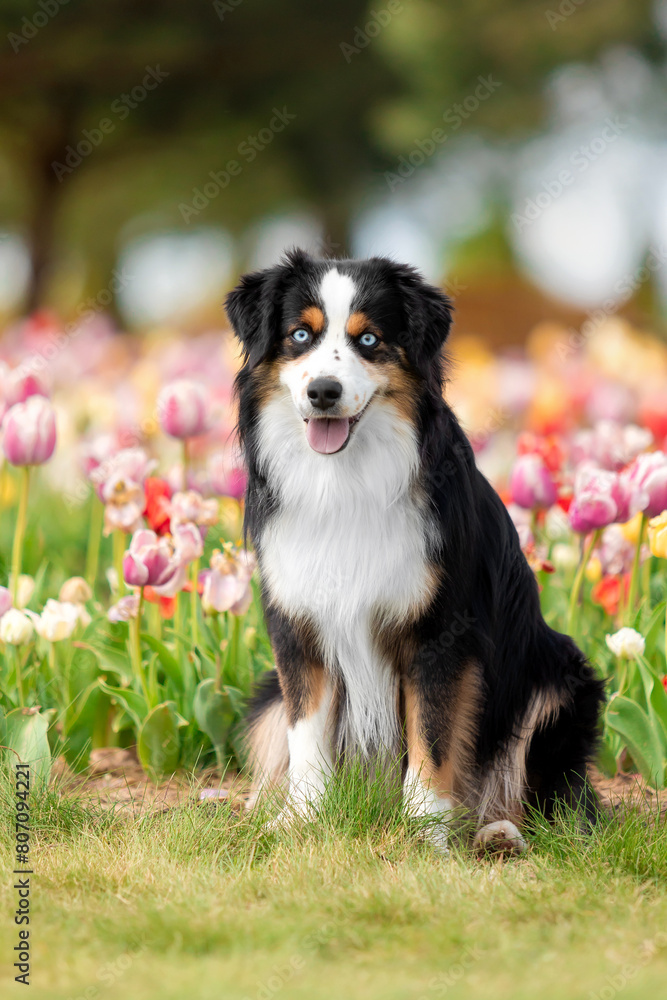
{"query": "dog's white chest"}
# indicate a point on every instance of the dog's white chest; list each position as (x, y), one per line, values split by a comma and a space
(347, 549)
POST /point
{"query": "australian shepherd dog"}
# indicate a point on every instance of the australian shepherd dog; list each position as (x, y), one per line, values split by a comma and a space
(403, 616)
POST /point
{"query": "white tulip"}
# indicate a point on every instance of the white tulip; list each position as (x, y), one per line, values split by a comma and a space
(626, 643)
(57, 621)
(15, 627)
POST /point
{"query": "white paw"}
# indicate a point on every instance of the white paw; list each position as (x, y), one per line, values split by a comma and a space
(500, 836)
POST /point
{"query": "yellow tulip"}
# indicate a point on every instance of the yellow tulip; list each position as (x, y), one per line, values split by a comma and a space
(632, 528)
(594, 570)
(657, 535)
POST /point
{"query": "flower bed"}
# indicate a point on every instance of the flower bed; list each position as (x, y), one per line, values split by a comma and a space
(130, 613)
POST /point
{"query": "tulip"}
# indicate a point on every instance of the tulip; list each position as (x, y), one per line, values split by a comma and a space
(124, 609)
(183, 409)
(75, 591)
(627, 643)
(227, 582)
(190, 505)
(22, 385)
(657, 535)
(598, 499)
(58, 620)
(188, 542)
(610, 445)
(648, 480)
(29, 432)
(531, 484)
(15, 627)
(5, 601)
(150, 560)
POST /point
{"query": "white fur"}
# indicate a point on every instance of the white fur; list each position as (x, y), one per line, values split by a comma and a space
(334, 355)
(348, 543)
(310, 756)
(421, 800)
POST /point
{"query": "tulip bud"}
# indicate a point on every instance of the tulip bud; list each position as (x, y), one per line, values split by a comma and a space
(24, 590)
(75, 591)
(29, 432)
(531, 483)
(15, 627)
(58, 620)
(183, 409)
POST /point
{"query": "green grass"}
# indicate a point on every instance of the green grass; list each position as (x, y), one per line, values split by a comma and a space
(198, 902)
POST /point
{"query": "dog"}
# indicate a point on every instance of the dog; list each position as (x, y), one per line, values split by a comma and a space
(403, 616)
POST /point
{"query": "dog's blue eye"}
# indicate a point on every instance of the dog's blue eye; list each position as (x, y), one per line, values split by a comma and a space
(368, 340)
(301, 336)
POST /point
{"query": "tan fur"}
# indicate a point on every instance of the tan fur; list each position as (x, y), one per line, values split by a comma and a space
(505, 784)
(313, 317)
(359, 323)
(267, 743)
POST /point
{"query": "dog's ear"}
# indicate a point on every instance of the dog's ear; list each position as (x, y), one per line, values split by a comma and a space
(427, 314)
(254, 306)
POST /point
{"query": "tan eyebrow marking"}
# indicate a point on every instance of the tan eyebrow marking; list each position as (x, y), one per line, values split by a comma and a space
(360, 323)
(314, 317)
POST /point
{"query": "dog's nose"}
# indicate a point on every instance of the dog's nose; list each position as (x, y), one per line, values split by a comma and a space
(324, 392)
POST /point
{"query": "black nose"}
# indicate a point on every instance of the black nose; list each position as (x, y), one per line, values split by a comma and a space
(324, 392)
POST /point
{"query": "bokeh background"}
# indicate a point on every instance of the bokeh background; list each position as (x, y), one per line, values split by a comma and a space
(515, 150)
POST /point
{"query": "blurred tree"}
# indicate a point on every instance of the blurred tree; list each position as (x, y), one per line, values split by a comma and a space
(115, 114)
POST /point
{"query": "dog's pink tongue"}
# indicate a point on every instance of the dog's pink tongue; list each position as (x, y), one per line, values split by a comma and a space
(326, 434)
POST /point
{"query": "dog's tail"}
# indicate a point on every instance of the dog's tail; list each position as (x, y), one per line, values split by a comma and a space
(266, 735)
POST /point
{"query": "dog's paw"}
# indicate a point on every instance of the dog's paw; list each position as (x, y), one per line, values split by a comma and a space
(502, 836)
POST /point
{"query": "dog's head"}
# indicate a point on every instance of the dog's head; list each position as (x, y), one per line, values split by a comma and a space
(343, 338)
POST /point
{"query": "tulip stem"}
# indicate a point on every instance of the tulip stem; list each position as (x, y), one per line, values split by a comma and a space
(579, 579)
(135, 641)
(19, 531)
(634, 579)
(94, 539)
(185, 463)
(19, 677)
(194, 602)
(118, 553)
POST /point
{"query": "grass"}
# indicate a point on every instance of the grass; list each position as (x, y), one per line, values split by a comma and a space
(199, 902)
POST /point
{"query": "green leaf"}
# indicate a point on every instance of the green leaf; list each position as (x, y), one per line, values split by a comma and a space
(641, 736)
(89, 715)
(214, 713)
(158, 745)
(167, 660)
(133, 703)
(27, 736)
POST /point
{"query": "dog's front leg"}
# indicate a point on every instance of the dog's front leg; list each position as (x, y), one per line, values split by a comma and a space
(428, 780)
(308, 695)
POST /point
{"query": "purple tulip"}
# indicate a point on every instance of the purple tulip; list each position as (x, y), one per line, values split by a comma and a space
(647, 479)
(531, 484)
(594, 505)
(183, 409)
(29, 432)
(150, 561)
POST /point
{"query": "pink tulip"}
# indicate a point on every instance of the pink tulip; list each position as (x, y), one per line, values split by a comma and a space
(227, 582)
(191, 506)
(29, 432)
(594, 505)
(531, 484)
(227, 476)
(5, 601)
(124, 609)
(647, 478)
(22, 385)
(183, 409)
(610, 445)
(188, 542)
(150, 560)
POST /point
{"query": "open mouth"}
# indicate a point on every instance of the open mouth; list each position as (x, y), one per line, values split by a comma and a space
(327, 435)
